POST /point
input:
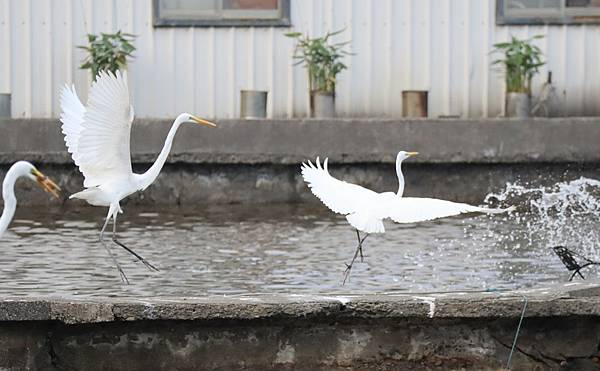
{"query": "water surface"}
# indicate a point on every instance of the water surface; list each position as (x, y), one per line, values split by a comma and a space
(290, 248)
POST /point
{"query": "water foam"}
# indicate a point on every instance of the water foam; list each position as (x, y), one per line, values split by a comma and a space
(567, 213)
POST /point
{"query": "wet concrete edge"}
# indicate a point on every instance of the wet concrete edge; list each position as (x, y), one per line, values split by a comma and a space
(572, 299)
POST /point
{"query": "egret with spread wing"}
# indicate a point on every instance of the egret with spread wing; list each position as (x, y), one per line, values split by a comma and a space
(17, 170)
(97, 136)
(365, 209)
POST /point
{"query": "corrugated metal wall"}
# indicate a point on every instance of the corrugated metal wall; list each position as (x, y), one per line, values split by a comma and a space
(438, 45)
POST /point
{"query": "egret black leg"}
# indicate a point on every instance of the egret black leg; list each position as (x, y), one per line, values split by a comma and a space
(358, 250)
(119, 269)
(360, 246)
(122, 274)
(139, 257)
(104, 227)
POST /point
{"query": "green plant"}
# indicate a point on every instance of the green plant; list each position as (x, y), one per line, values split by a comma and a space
(321, 58)
(107, 52)
(521, 62)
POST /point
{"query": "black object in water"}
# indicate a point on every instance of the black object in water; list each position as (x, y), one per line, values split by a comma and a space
(568, 258)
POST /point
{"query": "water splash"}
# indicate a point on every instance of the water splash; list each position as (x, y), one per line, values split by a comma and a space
(514, 250)
(567, 213)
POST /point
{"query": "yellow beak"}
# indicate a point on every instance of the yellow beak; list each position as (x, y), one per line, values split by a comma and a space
(46, 183)
(203, 122)
(410, 154)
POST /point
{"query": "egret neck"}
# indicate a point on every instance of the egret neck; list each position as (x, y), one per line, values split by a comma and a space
(151, 174)
(10, 201)
(400, 176)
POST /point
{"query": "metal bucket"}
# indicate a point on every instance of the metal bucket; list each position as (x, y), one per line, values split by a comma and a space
(414, 103)
(253, 104)
(518, 105)
(5, 105)
(323, 104)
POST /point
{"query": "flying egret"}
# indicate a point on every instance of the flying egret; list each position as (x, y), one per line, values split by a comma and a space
(17, 170)
(97, 136)
(365, 209)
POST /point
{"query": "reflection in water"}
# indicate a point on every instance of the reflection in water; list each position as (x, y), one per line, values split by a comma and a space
(287, 248)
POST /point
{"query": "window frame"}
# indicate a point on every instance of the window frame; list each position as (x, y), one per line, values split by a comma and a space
(562, 16)
(283, 21)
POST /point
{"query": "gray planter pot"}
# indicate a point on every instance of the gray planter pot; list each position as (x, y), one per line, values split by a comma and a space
(518, 105)
(5, 105)
(253, 104)
(414, 103)
(323, 104)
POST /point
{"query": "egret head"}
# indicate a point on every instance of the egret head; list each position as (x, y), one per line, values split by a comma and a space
(34, 174)
(403, 155)
(186, 117)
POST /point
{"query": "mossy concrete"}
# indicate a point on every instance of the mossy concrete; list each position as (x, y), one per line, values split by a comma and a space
(348, 141)
(248, 161)
(473, 331)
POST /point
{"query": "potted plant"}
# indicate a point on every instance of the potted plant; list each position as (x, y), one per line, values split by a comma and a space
(323, 60)
(107, 52)
(521, 62)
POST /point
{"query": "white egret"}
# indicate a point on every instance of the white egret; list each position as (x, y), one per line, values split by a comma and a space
(17, 170)
(97, 136)
(365, 209)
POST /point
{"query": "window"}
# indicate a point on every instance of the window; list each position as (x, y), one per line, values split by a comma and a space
(224, 13)
(547, 11)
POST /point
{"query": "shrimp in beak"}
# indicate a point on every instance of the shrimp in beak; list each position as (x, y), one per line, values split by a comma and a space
(46, 183)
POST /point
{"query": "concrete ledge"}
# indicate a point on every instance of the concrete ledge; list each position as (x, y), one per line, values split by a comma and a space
(572, 299)
(472, 331)
(258, 161)
(343, 140)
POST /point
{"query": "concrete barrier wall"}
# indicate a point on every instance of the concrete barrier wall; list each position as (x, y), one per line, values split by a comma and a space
(258, 160)
(561, 330)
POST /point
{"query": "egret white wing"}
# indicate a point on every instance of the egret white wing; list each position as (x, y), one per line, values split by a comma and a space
(339, 196)
(412, 210)
(71, 118)
(103, 151)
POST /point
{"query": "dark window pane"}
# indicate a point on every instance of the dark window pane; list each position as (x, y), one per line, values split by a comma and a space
(250, 4)
(582, 3)
(226, 13)
(548, 12)
(193, 5)
(532, 4)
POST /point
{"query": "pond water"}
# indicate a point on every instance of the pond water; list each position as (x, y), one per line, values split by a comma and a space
(299, 248)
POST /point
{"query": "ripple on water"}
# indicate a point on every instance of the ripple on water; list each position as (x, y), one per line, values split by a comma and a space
(299, 249)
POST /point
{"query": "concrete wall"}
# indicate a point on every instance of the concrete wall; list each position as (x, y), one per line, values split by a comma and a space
(250, 161)
(258, 161)
(561, 330)
(440, 46)
(493, 141)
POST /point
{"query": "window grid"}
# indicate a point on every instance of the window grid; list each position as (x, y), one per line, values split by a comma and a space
(562, 14)
(220, 16)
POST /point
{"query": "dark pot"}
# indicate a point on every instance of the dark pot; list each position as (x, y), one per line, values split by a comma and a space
(323, 104)
(518, 105)
(5, 105)
(414, 103)
(253, 104)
